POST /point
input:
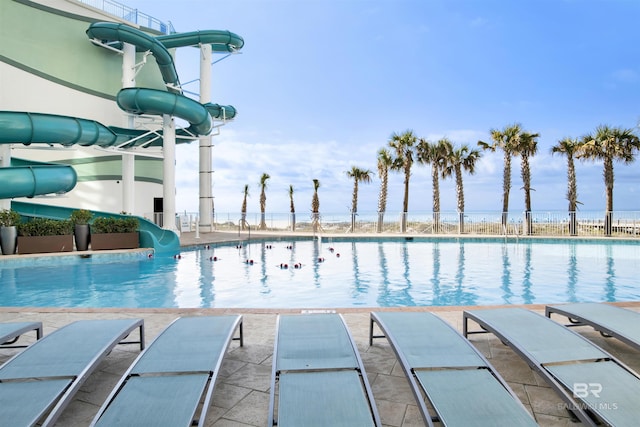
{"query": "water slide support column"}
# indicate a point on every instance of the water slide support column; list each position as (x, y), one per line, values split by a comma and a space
(5, 162)
(128, 160)
(205, 190)
(169, 174)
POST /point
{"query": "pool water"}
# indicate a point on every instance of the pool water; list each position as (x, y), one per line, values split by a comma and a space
(335, 274)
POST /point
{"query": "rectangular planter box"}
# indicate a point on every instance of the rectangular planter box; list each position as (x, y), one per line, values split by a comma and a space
(44, 244)
(104, 241)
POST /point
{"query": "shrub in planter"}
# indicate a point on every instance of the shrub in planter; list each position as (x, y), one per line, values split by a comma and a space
(41, 235)
(102, 225)
(45, 227)
(9, 219)
(80, 219)
(115, 233)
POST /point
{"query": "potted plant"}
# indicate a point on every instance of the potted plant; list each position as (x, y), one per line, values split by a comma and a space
(9, 220)
(80, 219)
(115, 233)
(41, 235)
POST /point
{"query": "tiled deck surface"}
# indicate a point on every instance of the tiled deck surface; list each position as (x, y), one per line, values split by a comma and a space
(242, 393)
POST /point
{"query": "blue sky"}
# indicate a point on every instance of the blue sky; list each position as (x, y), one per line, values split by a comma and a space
(322, 84)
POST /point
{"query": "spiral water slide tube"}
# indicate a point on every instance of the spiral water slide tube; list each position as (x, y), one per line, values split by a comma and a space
(32, 179)
(158, 102)
(29, 179)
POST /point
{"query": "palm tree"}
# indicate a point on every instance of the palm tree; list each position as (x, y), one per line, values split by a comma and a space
(609, 144)
(384, 163)
(403, 144)
(460, 159)
(263, 200)
(569, 147)
(527, 146)
(243, 221)
(315, 206)
(292, 209)
(358, 175)
(434, 155)
(507, 141)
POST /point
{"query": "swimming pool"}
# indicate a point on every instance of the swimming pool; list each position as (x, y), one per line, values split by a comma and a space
(334, 274)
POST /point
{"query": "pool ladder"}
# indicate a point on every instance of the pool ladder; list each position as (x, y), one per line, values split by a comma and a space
(505, 229)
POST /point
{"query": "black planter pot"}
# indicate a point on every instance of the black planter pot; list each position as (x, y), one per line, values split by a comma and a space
(82, 236)
(8, 240)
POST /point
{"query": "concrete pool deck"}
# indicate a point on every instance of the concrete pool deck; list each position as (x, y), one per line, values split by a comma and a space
(241, 395)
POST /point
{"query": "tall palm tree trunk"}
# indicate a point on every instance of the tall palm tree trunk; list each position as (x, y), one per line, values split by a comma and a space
(263, 204)
(382, 201)
(608, 181)
(435, 183)
(315, 202)
(384, 163)
(315, 206)
(572, 195)
(263, 200)
(243, 209)
(506, 187)
(354, 205)
(460, 198)
(292, 209)
(526, 183)
(570, 147)
(405, 202)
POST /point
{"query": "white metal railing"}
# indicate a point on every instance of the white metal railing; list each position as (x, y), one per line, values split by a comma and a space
(551, 223)
(130, 14)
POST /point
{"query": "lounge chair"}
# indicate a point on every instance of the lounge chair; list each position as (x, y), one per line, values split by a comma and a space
(609, 320)
(459, 383)
(167, 382)
(42, 380)
(319, 375)
(12, 331)
(587, 378)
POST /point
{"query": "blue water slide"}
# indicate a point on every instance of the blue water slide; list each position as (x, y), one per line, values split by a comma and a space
(29, 179)
(220, 40)
(114, 34)
(151, 236)
(218, 111)
(27, 128)
(151, 101)
(159, 102)
(111, 32)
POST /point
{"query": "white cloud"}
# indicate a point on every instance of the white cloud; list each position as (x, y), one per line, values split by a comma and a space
(237, 162)
(625, 75)
(479, 22)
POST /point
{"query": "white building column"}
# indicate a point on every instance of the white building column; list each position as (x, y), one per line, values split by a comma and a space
(5, 162)
(169, 174)
(205, 190)
(128, 160)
